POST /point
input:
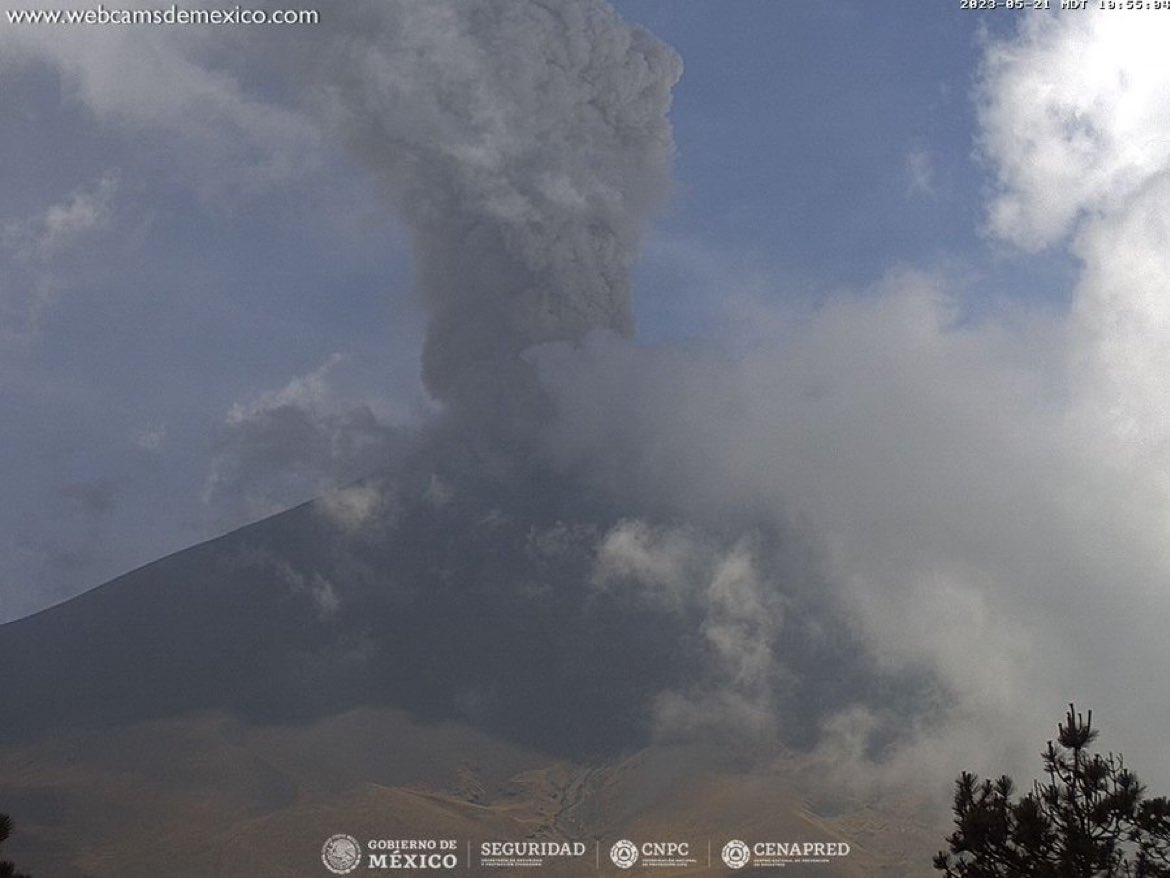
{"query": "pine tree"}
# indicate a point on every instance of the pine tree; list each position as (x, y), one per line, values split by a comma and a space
(1089, 819)
(7, 870)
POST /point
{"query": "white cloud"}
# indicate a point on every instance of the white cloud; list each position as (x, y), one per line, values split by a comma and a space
(660, 562)
(353, 506)
(150, 438)
(309, 391)
(681, 570)
(920, 170)
(182, 82)
(319, 590)
(41, 253)
(84, 211)
(289, 445)
(1073, 118)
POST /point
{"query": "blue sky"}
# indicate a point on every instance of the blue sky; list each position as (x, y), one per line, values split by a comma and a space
(918, 252)
(824, 143)
(796, 124)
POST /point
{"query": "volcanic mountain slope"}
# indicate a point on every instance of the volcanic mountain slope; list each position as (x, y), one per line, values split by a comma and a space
(443, 605)
(466, 590)
(444, 663)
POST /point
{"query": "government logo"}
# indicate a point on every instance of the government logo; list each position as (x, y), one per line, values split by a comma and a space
(624, 854)
(736, 854)
(341, 854)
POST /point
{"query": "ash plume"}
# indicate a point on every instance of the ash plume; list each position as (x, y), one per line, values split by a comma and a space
(525, 144)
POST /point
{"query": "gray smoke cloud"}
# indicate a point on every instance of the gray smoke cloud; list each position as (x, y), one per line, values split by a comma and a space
(525, 144)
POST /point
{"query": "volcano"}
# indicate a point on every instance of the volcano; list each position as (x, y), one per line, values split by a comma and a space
(483, 643)
(449, 665)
